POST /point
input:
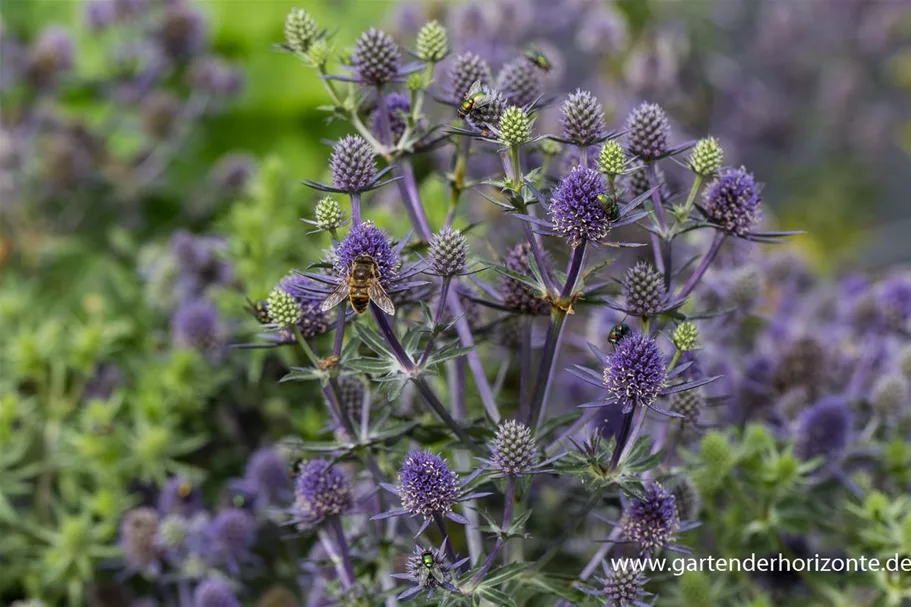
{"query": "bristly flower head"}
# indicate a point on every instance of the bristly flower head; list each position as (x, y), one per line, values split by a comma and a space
(687, 497)
(486, 116)
(138, 531)
(576, 212)
(514, 450)
(398, 108)
(890, 395)
(301, 30)
(643, 290)
(516, 295)
(448, 252)
(376, 57)
(620, 587)
(686, 337)
(706, 157)
(652, 522)
(214, 593)
(583, 119)
(612, 158)
(353, 164)
(179, 496)
(520, 82)
(321, 491)
(267, 474)
(284, 311)
(636, 372)
(426, 484)
(367, 239)
(311, 320)
(329, 215)
(432, 43)
(647, 132)
(732, 201)
(515, 126)
(430, 570)
(181, 31)
(466, 68)
(895, 302)
(196, 325)
(233, 532)
(824, 430)
(688, 404)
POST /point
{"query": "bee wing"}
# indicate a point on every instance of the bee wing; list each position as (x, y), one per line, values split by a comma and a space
(335, 298)
(378, 296)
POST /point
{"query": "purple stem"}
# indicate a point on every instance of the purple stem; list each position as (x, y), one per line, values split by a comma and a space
(339, 332)
(663, 246)
(507, 521)
(703, 266)
(525, 369)
(441, 525)
(347, 570)
(413, 200)
(539, 257)
(437, 318)
(355, 208)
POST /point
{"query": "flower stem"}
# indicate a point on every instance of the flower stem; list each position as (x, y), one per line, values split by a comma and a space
(691, 199)
(339, 332)
(707, 260)
(355, 208)
(622, 438)
(441, 525)
(637, 428)
(412, 199)
(335, 523)
(458, 177)
(504, 528)
(437, 319)
(665, 245)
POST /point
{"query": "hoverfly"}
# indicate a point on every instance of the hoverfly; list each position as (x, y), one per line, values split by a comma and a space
(617, 333)
(610, 206)
(474, 98)
(538, 59)
(259, 310)
(361, 286)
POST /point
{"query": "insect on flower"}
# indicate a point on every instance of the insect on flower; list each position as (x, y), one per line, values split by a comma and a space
(474, 98)
(538, 59)
(610, 206)
(617, 333)
(259, 310)
(361, 286)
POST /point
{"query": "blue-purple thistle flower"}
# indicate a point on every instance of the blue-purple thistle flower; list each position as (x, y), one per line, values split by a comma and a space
(429, 569)
(620, 587)
(321, 491)
(398, 108)
(196, 325)
(428, 488)
(520, 82)
(732, 201)
(267, 474)
(376, 57)
(647, 132)
(895, 302)
(576, 212)
(367, 239)
(181, 32)
(653, 522)
(465, 69)
(583, 119)
(233, 532)
(214, 593)
(824, 430)
(643, 290)
(353, 164)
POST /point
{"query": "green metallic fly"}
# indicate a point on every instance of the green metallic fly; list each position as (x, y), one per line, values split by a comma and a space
(538, 59)
(610, 206)
(475, 98)
(617, 333)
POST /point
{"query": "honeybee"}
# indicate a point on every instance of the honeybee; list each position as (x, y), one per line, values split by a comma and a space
(361, 286)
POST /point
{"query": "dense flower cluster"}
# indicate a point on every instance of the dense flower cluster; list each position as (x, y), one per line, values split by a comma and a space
(426, 484)
(636, 372)
(576, 211)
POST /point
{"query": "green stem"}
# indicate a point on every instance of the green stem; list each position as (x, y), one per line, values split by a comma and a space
(691, 199)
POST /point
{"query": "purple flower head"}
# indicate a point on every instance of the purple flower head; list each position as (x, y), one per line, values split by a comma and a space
(312, 321)
(652, 522)
(196, 325)
(214, 593)
(647, 132)
(520, 82)
(895, 302)
(216, 77)
(620, 587)
(376, 57)
(182, 31)
(426, 484)
(138, 530)
(430, 569)
(179, 496)
(516, 295)
(353, 164)
(824, 429)
(583, 119)
(367, 239)
(398, 108)
(233, 532)
(732, 201)
(575, 210)
(514, 449)
(267, 474)
(465, 69)
(636, 372)
(321, 491)
(643, 290)
(50, 56)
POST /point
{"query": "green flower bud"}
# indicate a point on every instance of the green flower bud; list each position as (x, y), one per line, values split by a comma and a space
(612, 159)
(319, 53)
(433, 43)
(716, 453)
(515, 126)
(415, 82)
(283, 308)
(549, 147)
(706, 157)
(686, 337)
(301, 30)
(329, 214)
